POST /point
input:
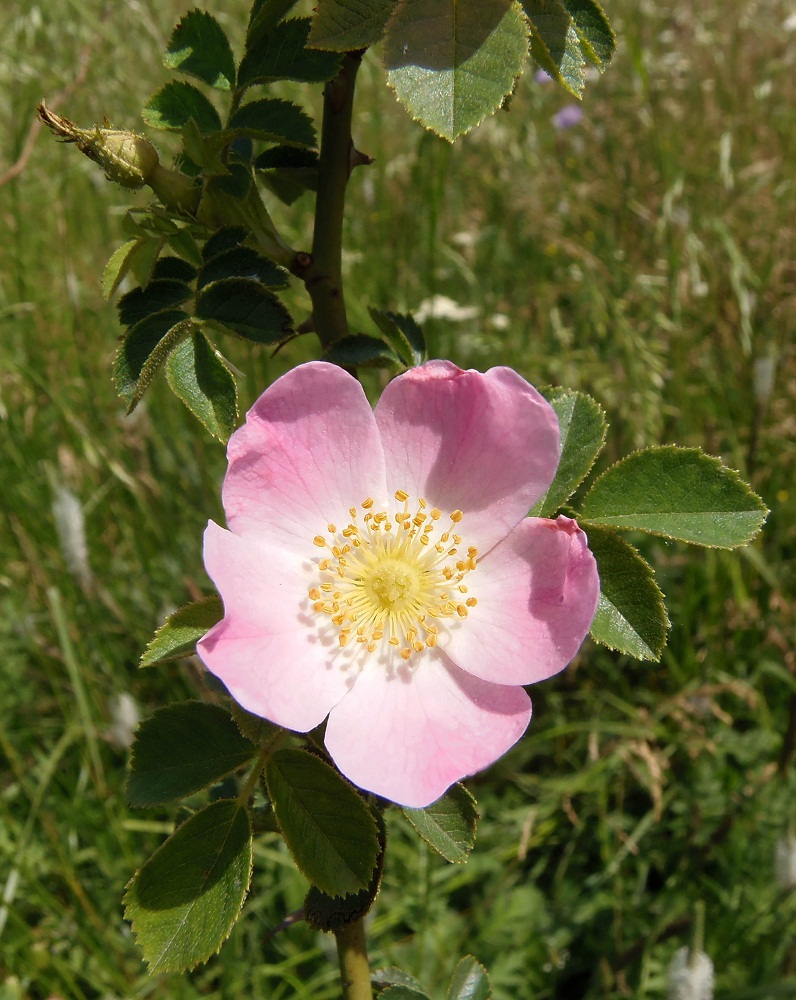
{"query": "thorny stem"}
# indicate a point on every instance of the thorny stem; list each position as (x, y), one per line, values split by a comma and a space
(352, 954)
(323, 277)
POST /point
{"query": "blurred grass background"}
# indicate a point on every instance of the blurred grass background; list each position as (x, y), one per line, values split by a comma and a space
(645, 255)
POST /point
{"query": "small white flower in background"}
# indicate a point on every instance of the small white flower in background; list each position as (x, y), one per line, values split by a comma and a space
(441, 307)
(789, 24)
(785, 862)
(126, 717)
(764, 372)
(71, 526)
(690, 977)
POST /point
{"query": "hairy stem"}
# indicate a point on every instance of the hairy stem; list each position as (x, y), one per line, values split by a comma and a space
(323, 277)
(352, 953)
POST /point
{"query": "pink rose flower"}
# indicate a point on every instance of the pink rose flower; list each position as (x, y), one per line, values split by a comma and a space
(379, 569)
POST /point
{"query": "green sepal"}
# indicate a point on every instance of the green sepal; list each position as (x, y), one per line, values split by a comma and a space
(182, 749)
(453, 62)
(175, 104)
(360, 349)
(132, 370)
(185, 900)
(331, 913)
(679, 493)
(200, 378)
(282, 54)
(469, 982)
(583, 428)
(631, 615)
(404, 335)
(199, 46)
(245, 307)
(159, 295)
(328, 828)
(179, 634)
(346, 25)
(449, 824)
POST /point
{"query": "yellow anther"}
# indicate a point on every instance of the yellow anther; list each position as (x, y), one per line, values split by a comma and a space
(401, 496)
(461, 610)
(456, 516)
(471, 602)
(421, 503)
(315, 594)
(436, 514)
(405, 654)
(394, 641)
(457, 539)
(318, 606)
(367, 504)
(424, 539)
(418, 646)
(320, 541)
(326, 588)
(331, 529)
(419, 518)
(352, 512)
(431, 640)
(342, 639)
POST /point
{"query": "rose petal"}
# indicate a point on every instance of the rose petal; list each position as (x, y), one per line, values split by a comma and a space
(268, 650)
(309, 450)
(408, 735)
(537, 594)
(487, 445)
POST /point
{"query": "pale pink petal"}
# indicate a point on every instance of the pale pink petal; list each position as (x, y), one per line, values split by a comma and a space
(268, 650)
(537, 594)
(309, 451)
(409, 734)
(486, 444)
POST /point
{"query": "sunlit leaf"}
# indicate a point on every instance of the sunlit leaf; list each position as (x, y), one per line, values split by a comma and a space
(345, 25)
(679, 493)
(631, 616)
(182, 749)
(453, 62)
(449, 824)
(282, 54)
(327, 826)
(583, 427)
(185, 900)
(199, 46)
(181, 631)
(199, 377)
(175, 104)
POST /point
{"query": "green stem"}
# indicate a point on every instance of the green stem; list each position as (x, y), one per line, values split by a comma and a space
(352, 953)
(324, 276)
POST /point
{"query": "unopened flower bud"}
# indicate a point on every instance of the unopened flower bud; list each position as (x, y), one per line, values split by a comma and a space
(690, 976)
(125, 157)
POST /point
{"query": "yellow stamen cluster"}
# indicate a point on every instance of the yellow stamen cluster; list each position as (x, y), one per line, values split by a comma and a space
(392, 578)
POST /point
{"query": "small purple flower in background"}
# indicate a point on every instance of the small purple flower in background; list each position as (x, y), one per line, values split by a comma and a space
(568, 116)
(542, 76)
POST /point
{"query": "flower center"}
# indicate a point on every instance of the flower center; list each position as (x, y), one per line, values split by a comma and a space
(394, 579)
